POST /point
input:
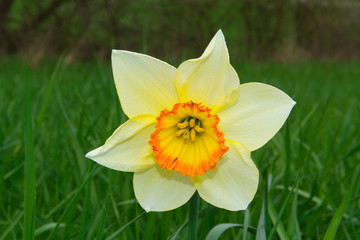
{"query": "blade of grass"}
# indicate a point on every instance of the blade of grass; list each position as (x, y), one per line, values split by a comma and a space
(13, 171)
(47, 227)
(347, 235)
(340, 211)
(316, 200)
(72, 201)
(219, 229)
(202, 213)
(30, 178)
(268, 181)
(287, 155)
(351, 152)
(150, 226)
(262, 230)
(193, 216)
(112, 236)
(102, 224)
(60, 204)
(278, 225)
(318, 124)
(293, 226)
(306, 119)
(11, 226)
(246, 223)
(50, 86)
(281, 230)
(77, 146)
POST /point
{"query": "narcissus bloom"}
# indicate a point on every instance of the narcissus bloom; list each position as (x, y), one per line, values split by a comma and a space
(190, 129)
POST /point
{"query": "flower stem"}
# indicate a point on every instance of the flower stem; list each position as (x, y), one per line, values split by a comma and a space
(193, 216)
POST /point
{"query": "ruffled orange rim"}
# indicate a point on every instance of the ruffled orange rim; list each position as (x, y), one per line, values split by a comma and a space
(178, 153)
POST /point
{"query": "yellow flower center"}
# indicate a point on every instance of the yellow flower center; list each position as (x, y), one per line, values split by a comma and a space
(189, 128)
(187, 139)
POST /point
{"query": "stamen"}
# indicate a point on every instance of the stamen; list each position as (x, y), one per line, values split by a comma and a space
(198, 129)
(188, 128)
(180, 132)
(192, 123)
(186, 135)
(183, 124)
(192, 135)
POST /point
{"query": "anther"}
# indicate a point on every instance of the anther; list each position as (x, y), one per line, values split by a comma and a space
(183, 124)
(192, 135)
(180, 132)
(186, 135)
(198, 129)
(192, 123)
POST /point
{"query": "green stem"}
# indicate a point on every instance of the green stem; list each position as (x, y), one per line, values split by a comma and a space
(193, 216)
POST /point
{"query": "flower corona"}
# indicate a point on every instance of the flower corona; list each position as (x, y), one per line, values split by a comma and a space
(187, 139)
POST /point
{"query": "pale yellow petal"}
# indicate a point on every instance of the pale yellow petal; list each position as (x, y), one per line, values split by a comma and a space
(145, 85)
(233, 182)
(256, 116)
(158, 189)
(127, 149)
(209, 79)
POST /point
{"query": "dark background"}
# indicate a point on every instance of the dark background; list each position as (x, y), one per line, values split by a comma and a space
(257, 30)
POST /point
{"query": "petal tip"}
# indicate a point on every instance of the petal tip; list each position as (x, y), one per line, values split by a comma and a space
(220, 33)
(115, 52)
(219, 37)
(93, 153)
(118, 53)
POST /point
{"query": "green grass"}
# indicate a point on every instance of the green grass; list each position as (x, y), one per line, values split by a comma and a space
(311, 167)
(30, 171)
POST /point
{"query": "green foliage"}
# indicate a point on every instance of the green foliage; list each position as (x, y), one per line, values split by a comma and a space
(312, 190)
(255, 29)
(30, 175)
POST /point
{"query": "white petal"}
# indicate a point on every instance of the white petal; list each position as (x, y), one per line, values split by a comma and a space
(209, 79)
(158, 189)
(127, 149)
(145, 85)
(233, 182)
(256, 116)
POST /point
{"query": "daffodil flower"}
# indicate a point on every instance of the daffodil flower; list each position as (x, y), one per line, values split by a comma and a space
(190, 129)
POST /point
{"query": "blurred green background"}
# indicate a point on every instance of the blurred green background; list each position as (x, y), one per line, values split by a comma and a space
(255, 30)
(309, 173)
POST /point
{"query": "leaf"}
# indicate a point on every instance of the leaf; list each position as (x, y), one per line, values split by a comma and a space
(47, 227)
(50, 86)
(276, 218)
(219, 229)
(11, 226)
(340, 211)
(202, 213)
(260, 231)
(246, 223)
(293, 226)
(112, 236)
(72, 201)
(102, 224)
(278, 225)
(30, 178)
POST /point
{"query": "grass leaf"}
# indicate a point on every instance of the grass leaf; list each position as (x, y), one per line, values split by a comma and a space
(219, 229)
(30, 178)
(112, 236)
(340, 211)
